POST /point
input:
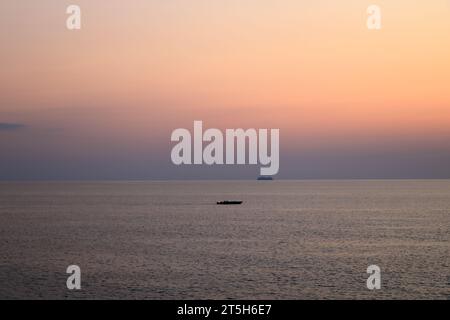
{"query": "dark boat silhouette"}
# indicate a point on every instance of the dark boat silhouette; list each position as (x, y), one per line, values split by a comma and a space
(265, 178)
(229, 202)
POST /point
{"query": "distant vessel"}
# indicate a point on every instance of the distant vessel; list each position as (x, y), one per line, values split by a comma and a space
(265, 178)
(228, 202)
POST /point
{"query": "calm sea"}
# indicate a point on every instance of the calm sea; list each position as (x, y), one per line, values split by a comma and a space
(169, 240)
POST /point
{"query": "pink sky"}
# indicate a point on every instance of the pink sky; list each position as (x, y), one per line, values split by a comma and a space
(112, 92)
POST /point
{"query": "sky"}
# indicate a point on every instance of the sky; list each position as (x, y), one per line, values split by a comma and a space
(101, 102)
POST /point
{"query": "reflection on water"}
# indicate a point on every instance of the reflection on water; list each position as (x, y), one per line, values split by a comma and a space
(164, 240)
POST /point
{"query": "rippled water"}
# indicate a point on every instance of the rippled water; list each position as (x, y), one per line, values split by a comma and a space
(164, 240)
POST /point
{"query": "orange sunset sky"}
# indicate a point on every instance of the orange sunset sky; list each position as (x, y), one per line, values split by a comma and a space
(101, 102)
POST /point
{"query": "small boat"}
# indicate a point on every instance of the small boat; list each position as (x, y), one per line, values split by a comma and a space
(228, 202)
(265, 178)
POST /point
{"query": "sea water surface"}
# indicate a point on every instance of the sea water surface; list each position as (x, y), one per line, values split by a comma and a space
(169, 240)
